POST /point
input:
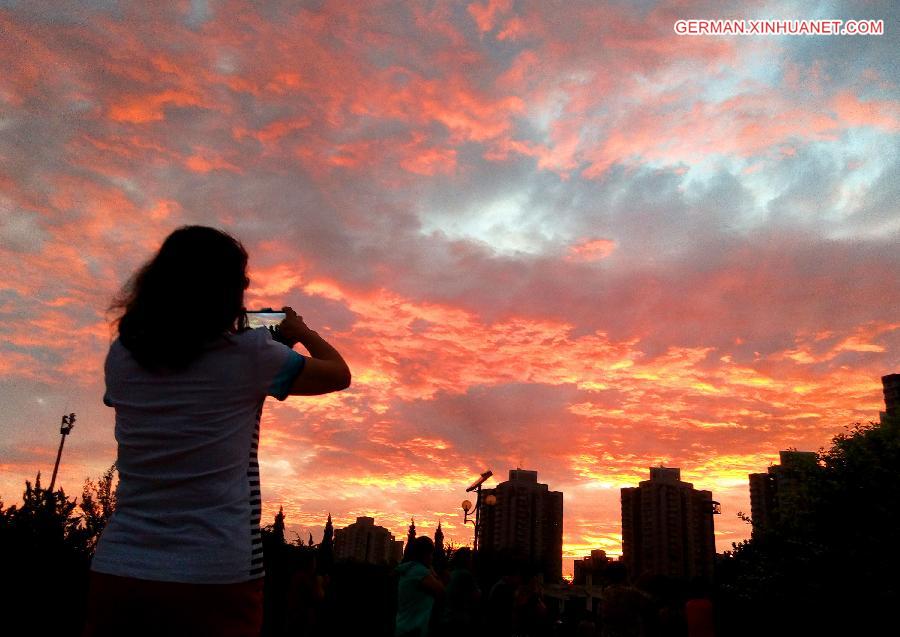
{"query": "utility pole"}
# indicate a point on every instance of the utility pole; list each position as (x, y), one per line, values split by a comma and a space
(68, 422)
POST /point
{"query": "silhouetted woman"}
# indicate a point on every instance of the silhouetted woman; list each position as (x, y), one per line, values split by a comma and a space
(182, 554)
(417, 588)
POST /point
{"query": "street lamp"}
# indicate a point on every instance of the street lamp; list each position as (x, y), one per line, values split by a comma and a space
(68, 422)
(467, 506)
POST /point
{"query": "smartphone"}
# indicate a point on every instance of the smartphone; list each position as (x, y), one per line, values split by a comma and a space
(266, 317)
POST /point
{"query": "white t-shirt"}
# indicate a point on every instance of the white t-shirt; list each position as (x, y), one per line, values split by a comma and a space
(188, 506)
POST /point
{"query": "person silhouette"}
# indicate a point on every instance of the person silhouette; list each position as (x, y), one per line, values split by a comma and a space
(463, 595)
(417, 588)
(182, 553)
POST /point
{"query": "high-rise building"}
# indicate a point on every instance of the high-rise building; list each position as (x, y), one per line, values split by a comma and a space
(525, 523)
(891, 388)
(667, 527)
(762, 502)
(363, 541)
(781, 494)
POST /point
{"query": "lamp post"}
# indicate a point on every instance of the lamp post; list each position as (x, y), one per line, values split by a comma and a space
(68, 422)
(467, 507)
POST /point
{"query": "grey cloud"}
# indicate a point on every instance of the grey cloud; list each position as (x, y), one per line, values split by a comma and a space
(811, 170)
(20, 231)
(66, 13)
(878, 213)
(845, 58)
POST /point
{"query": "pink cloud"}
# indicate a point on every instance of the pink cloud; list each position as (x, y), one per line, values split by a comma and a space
(486, 15)
(884, 114)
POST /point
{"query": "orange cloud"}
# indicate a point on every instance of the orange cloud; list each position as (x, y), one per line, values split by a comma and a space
(143, 109)
(204, 163)
(591, 250)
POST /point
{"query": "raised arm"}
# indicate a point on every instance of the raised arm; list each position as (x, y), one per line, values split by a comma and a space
(325, 370)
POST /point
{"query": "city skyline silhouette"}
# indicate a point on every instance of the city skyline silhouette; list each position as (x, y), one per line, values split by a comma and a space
(382, 546)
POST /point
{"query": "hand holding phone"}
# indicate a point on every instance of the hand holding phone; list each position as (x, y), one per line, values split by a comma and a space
(293, 329)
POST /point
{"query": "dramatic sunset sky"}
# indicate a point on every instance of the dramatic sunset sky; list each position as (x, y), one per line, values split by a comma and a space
(552, 235)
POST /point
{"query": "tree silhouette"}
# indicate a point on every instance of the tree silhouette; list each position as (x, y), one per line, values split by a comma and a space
(98, 501)
(440, 556)
(278, 527)
(45, 557)
(45, 523)
(326, 548)
(836, 552)
(410, 538)
(857, 517)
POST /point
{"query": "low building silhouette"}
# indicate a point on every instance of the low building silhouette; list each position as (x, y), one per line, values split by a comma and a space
(667, 528)
(364, 541)
(526, 523)
(592, 566)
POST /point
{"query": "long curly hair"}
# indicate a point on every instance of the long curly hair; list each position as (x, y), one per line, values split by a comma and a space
(184, 298)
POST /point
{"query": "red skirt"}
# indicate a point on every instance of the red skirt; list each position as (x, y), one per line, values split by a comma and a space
(128, 606)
